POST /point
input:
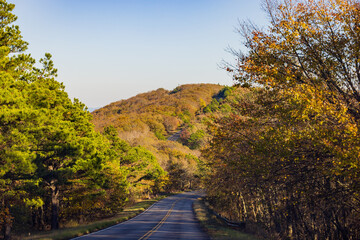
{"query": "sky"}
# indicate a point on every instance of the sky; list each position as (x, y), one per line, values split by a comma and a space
(108, 50)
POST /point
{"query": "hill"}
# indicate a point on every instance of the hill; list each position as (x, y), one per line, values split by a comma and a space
(149, 119)
(170, 108)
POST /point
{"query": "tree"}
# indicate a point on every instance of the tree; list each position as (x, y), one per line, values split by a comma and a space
(99, 187)
(196, 139)
(288, 158)
(16, 158)
(48, 144)
(145, 174)
(308, 42)
(15, 155)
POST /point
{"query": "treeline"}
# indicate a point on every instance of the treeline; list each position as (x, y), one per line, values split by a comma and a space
(149, 119)
(54, 166)
(287, 159)
(158, 113)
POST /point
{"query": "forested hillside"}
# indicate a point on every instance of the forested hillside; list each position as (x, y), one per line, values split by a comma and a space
(278, 152)
(149, 119)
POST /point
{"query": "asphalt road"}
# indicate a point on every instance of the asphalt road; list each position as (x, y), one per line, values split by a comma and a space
(175, 136)
(170, 218)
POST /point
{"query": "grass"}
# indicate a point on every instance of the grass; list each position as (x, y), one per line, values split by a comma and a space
(76, 231)
(215, 227)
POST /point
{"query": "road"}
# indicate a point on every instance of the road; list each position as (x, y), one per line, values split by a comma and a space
(170, 218)
(175, 136)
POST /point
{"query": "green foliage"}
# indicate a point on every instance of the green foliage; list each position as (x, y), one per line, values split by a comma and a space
(220, 100)
(53, 165)
(16, 157)
(225, 108)
(143, 171)
(175, 90)
(212, 107)
(159, 135)
(118, 146)
(196, 139)
(223, 93)
(185, 116)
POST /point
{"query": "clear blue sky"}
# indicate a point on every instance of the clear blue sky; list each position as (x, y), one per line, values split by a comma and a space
(107, 50)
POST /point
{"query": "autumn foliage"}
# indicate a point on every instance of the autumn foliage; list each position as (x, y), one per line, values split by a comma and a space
(287, 160)
(149, 119)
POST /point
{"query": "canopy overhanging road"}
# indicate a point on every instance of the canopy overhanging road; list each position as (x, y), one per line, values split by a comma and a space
(170, 218)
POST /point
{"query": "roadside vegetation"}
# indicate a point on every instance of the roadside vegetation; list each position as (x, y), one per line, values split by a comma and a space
(60, 165)
(215, 227)
(288, 159)
(55, 168)
(74, 229)
(279, 151)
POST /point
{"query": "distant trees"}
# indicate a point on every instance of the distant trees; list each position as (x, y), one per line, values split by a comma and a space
(196, 139)
(149, 119)
(288, 158)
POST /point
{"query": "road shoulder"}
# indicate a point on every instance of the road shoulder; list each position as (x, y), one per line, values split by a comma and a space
(79, 230)
(216, 229)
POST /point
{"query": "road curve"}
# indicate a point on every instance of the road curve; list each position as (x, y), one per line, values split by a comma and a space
(175, 136)
(170, 218)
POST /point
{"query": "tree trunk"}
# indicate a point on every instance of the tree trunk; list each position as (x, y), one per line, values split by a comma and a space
(7, 225)
(7, 231)
(54, 206)
(41, 218)
(34, 219)
(38, 218)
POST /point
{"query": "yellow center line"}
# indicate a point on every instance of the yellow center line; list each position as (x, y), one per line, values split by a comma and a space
(149, 233)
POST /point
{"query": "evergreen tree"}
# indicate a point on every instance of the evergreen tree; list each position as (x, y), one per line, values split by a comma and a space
(47, 142)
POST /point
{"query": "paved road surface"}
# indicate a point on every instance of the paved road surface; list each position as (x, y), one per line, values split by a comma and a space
(175, 136)
(171, 218)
